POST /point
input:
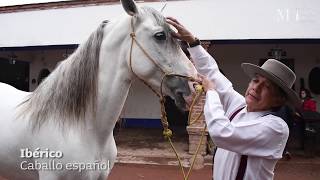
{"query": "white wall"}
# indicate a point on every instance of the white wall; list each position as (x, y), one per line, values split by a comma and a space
(142, 103)
(44, 59)
(209, 19)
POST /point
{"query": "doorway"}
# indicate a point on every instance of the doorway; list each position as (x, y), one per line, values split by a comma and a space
(15, 73)
(176, 117)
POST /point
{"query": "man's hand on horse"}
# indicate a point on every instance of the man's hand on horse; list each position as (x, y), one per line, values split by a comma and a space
(206, 83)
(182, 33)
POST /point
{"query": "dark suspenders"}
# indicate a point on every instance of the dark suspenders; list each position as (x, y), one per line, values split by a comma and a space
(235, 113)
(242, 167)
(244, 158)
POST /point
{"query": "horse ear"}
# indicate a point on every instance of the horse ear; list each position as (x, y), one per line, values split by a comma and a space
(130, 7)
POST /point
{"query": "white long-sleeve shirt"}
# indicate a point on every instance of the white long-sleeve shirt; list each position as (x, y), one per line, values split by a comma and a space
(260, 135)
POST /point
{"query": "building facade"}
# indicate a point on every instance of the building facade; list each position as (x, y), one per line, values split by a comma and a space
(35, 37)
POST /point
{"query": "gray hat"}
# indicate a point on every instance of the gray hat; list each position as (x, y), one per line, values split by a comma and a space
(279, 74)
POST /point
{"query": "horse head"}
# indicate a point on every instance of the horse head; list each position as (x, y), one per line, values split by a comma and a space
(155, 53)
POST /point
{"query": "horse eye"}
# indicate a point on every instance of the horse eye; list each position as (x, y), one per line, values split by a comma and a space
(160, 36)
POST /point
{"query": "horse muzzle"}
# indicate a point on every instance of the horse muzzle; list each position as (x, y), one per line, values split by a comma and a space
(178, 89)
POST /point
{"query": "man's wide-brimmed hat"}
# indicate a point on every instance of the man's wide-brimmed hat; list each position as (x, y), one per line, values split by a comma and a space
(278, 73)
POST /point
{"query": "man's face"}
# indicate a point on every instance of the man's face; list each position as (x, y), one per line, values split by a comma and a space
(303, 94)
(262, 94)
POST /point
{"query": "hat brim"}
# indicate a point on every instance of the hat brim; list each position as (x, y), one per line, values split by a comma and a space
(251, 70)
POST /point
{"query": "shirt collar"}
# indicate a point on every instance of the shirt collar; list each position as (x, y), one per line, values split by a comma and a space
(256, 113)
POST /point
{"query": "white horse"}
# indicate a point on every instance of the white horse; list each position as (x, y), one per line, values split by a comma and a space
(64, 129)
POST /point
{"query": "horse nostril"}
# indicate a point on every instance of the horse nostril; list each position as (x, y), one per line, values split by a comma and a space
(183, 92)
(179, 93)
(178, 85)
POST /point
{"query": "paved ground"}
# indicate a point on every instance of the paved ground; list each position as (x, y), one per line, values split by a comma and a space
(144, 155)
(291, 170)
(155, 172)
(295, 169)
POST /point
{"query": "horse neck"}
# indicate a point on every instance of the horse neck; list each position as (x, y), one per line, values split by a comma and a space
(112, 93)
(114, 82)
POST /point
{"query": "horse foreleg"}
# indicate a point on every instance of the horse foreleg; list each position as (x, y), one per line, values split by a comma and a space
(110, 154)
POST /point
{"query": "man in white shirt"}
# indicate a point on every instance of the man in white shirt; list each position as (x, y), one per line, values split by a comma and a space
(249, 134)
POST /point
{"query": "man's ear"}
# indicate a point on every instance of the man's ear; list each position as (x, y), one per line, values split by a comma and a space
(130, 7)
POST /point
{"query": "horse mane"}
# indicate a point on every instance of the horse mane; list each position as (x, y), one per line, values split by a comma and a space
(71, 89)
